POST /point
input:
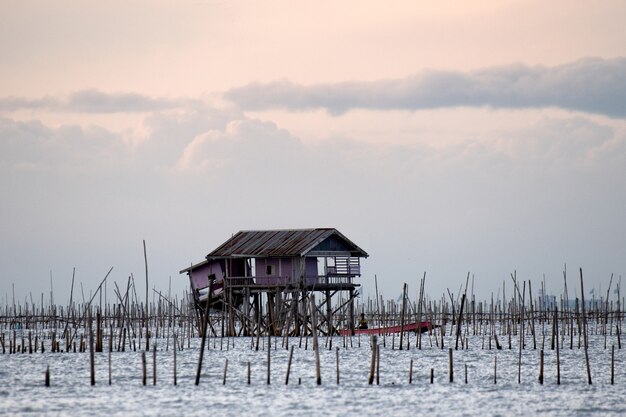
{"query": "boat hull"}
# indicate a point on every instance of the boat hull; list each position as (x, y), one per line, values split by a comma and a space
(409, 327)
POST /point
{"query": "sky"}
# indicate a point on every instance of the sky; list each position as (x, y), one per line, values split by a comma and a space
(444, 138)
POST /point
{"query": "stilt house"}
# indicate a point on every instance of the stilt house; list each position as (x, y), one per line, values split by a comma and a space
(275, 262)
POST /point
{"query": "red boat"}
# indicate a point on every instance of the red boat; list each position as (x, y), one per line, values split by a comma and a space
(409, 327)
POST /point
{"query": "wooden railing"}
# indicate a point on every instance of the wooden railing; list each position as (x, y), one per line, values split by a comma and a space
(284, 281)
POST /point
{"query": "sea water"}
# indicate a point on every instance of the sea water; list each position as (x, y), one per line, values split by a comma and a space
(22, 389)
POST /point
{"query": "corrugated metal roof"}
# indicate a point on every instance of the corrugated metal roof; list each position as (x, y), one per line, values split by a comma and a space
(267, 243)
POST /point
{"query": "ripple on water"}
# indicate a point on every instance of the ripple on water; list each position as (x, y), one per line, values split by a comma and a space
(71, 394)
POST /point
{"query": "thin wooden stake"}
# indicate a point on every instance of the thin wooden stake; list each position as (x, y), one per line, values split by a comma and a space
(373, 361)
(143, 367)
(269, 359)
(315, 342)
(450, 366)
(495, 369)
(92, 367)
(337, 356)
(612, 364)
(377, 366)
(582, 295)
(541, 366)
(174, 353)
(205, 321)
(289, 365)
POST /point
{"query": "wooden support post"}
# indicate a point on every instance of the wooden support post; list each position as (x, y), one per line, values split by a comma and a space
(329, 313)
(257, 318)
(270, 314)
(351, 311)
(205, 320)
(315, 342)
(246, 311)
(232, 316)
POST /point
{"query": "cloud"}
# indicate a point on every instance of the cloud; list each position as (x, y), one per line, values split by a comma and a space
(33, 145)
(588, 85)
(552, 190)
(92, 101)
(559, 143)
(248, 151)
(17, 103)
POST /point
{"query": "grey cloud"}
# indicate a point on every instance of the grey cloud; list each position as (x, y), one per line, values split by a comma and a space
(588, 85)
(92, 101)
(17, 103)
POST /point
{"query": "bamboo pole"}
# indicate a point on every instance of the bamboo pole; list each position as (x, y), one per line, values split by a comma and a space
(558, 358)
(582, 295)
(289, 365)
(541, 367)
(337, 357)
(174, 349)
(92, 368)
(318, 375)
(402, 314)
(374, 346)
(143, 367)
(450, 365)
(612, 364)
(205, 320)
